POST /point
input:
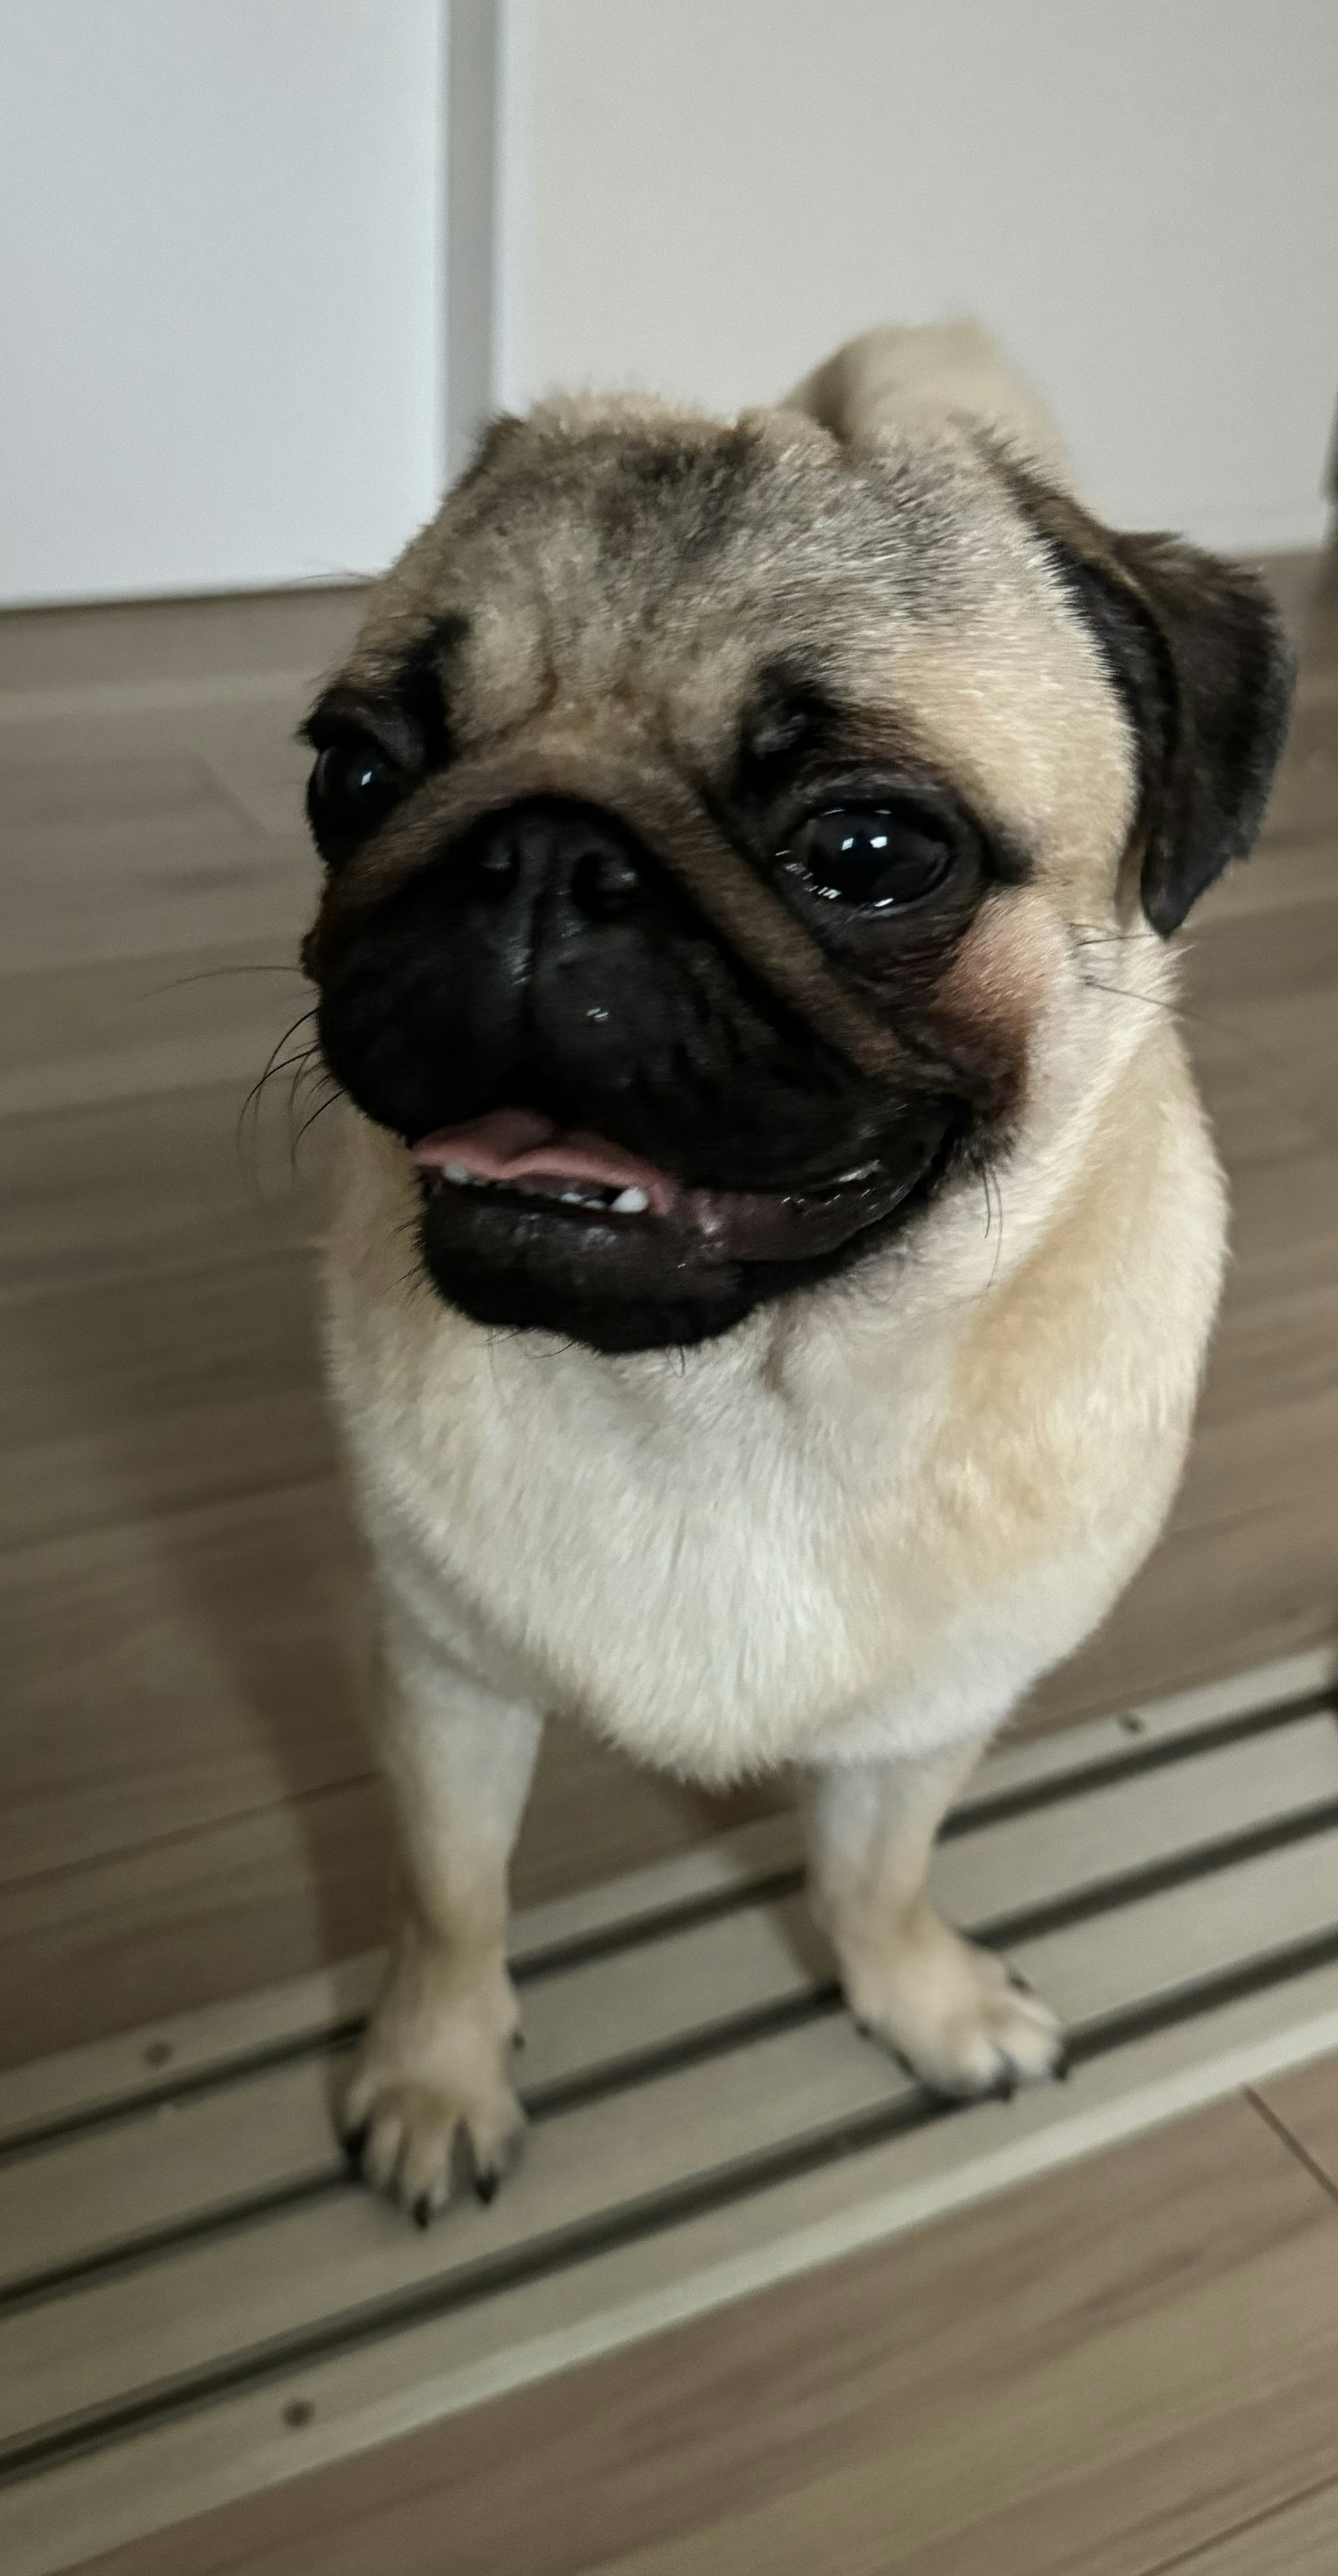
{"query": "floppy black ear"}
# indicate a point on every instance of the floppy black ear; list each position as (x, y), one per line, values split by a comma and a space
(1197, 651)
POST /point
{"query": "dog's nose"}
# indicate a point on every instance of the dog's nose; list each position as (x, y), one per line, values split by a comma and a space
(574, 853)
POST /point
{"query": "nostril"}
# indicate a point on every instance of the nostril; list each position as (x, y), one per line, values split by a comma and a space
(603, 883)
(499, 860)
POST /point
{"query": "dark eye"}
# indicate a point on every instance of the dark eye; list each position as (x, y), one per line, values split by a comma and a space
(353, 785)
(881, 858)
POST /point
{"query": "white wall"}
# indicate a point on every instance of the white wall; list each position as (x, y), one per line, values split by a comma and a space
(1141, 196)
(220, 290)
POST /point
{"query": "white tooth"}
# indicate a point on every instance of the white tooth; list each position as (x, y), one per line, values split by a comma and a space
(572, 1198)
(456, 1172)
(631, 1202)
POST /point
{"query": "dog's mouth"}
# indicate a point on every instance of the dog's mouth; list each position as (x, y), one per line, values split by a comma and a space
(517, 1170)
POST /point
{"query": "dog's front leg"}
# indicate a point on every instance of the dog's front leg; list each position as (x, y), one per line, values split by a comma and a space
(949, 2008)
(430, 2103)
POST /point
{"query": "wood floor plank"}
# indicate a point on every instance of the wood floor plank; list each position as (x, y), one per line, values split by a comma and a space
(1306, 2106)
(164, 1675)
(1242, 958)
(1284, 1230)
(1091, 2374)
(1268, 1416)
(1305, 795)
(1281, 1354)
(1300, 2539)
(1282, 1455)
(137, 1188)
(167, 1385)
(1265, 1072)
(217, 1450)
(64, 1019)
(145, 885)
(1292, 1061)
(1285, 868)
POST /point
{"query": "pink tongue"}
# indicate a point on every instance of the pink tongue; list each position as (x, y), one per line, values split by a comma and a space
(519, 1145)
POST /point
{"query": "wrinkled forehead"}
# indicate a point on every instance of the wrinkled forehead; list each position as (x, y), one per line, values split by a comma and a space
(660, 569)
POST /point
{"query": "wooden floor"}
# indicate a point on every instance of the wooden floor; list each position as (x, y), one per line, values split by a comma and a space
(186, 1808)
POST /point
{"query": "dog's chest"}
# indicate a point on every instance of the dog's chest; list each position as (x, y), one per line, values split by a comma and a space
(679, 1554)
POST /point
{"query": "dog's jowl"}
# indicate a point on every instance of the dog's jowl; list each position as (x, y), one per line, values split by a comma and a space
(777, 1236)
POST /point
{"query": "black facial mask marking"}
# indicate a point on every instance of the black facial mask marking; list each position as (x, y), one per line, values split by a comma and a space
(545, 961)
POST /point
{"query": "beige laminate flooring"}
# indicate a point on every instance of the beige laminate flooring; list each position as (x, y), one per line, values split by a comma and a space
(1130, 2365)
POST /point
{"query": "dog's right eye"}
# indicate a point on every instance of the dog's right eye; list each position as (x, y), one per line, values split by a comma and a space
(353, 786)
(879, 859)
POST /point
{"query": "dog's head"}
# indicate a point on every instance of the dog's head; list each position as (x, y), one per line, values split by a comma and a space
(716, 822)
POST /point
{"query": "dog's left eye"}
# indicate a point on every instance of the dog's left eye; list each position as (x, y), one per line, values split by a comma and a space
(880, 858)
(353, 785)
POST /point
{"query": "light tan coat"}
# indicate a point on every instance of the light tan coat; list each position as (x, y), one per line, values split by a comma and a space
(850, 1534)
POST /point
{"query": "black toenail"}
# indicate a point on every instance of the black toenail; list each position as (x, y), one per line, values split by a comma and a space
(485, 2184)
(1063, 2067)
(353, 2141)
(422, 2210)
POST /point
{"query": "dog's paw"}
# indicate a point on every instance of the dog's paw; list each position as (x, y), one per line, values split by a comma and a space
(428, 2113)
(956, 2015)
(423, 2145)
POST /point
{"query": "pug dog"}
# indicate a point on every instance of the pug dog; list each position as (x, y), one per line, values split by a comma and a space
(778, 1234)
